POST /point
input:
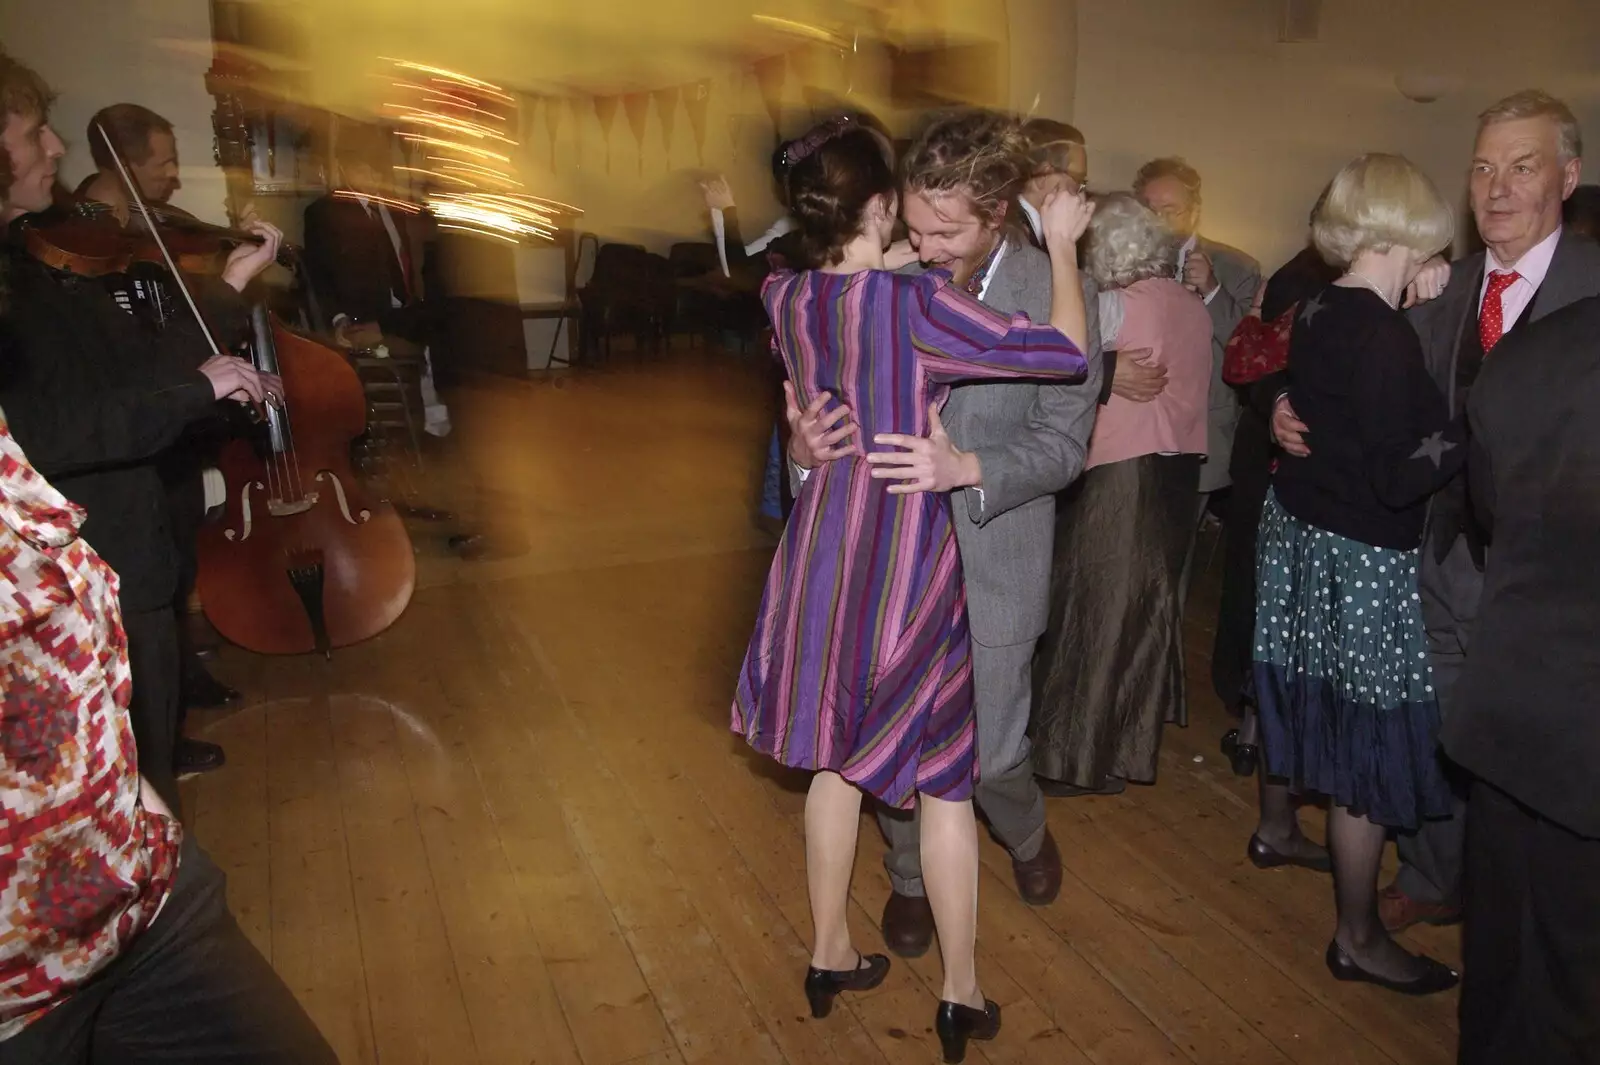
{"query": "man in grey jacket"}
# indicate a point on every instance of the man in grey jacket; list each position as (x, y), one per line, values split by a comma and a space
(1225, 278)
(1004, 449)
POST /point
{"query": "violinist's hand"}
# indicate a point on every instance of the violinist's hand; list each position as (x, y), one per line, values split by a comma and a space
(233, 378)
(248, 260)
(1065, 215)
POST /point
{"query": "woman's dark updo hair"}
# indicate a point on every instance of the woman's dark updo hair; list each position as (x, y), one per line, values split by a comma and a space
(834, 171)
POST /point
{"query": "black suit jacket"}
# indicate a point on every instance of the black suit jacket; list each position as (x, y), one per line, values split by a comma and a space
(1528, 720)
(354, 268)
(94, 398)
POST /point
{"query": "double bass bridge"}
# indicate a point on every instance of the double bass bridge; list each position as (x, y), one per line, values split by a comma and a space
(278, 507)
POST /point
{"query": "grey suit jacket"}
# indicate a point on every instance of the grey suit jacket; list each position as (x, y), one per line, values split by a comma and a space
(1238, 277)
(1031, 439)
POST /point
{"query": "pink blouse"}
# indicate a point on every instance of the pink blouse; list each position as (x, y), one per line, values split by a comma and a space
(1172, 322)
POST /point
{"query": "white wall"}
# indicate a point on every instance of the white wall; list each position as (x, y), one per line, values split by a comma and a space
(1042, 75)
(99, 52)
(1268, 124)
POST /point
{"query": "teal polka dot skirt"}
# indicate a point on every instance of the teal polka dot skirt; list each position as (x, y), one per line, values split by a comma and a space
(1346, 695)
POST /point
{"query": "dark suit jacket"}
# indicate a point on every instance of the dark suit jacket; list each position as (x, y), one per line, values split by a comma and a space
(354, 268)
(1574, 275)
(1528, 717)
(94, 398)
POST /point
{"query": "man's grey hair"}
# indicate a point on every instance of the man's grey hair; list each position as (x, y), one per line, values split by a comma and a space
(1128, 242)
(1170, 166)
(1535, 103)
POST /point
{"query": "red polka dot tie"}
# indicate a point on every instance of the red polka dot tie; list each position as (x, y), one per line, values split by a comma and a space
(1491, 318)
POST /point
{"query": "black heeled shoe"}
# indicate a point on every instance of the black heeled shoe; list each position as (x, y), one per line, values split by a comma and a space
(1436, 976)
(823, 984)
(956, 1024)
(1264, 857)
(1244, 758)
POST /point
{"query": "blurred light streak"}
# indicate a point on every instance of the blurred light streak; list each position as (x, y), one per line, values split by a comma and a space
(453, 107)
(806, 30)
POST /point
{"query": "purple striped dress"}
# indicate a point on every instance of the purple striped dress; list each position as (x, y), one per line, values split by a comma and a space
(859, 661)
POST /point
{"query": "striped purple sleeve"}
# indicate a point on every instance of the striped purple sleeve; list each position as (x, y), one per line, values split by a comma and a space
(959, 339)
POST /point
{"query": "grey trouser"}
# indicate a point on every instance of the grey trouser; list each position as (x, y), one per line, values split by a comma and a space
(1431, 858)
(1007, 795)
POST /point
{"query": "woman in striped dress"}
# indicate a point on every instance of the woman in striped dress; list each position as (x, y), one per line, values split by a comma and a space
(858, 668)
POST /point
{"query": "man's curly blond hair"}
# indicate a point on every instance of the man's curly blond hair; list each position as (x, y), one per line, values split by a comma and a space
(979, 154)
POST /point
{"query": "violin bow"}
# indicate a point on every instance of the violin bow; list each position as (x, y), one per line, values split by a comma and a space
(172, 266)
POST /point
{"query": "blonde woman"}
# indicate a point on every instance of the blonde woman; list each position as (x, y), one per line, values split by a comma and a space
(1347, 702)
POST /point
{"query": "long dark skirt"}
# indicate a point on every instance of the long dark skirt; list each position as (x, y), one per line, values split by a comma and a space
(1109, 674)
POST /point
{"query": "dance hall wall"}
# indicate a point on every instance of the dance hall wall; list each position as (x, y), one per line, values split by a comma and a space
(1268, 124)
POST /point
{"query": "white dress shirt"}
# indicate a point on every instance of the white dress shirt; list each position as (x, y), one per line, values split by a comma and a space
(1531, 270)
(1034, 221)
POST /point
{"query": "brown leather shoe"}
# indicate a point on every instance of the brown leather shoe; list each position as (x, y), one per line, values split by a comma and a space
(1399, 911)
(1039, 878)
(908, 924)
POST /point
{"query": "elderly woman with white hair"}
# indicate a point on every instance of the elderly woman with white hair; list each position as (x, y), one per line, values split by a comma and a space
(1347, 702)
(1110, 670)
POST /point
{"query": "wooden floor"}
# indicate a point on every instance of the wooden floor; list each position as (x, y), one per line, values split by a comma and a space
(516, 829)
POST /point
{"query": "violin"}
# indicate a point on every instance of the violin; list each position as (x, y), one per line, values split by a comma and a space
(84, 237)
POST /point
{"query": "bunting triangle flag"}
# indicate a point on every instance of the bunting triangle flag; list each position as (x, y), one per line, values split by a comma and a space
(605, 110)
(667, 112)
(696, 98)
(770, 76)
(552, 124)
(637, 106)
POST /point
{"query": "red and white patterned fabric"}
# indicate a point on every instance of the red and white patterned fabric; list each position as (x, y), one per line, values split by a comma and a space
(84, 867)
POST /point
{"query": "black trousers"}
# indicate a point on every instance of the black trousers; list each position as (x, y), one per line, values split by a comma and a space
(192, 989)
(1530, 991)
(153, 658)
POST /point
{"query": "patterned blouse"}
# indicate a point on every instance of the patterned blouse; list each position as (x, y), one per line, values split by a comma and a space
(84, 868)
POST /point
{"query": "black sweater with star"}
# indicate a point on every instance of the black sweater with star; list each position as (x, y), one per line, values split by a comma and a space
(1381, 437)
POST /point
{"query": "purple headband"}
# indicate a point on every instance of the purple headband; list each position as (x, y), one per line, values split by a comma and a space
(797, 150)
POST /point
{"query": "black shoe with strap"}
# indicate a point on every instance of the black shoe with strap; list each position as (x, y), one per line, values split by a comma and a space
(823, 984)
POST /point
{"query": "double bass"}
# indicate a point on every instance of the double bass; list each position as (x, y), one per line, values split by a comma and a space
(303, 558)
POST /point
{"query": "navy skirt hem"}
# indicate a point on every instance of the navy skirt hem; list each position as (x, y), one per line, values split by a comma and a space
(1380, 762)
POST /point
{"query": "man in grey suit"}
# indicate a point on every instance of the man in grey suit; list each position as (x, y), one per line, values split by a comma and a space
(1225, 278)
(1005, 449)
(1526, 163)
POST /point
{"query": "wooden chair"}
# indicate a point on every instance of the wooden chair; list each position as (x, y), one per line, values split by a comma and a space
(568, 308)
